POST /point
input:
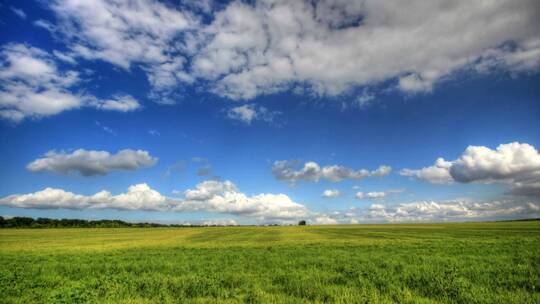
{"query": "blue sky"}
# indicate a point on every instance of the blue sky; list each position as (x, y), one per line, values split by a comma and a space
(247, 112)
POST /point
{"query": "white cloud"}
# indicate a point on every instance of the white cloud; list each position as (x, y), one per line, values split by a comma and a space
(123, 32)
(324, 220)
(433, 211)
(438, 173)
(91, 162)
(414, 84)
(365, 99)
(517, 164)
(209, 196)
(331, 193)
(326, 47)
(19, 12)
(225, 198)
(65, 57)
(46, 25)
(32, 86)
(381, 171)
(437, 211)
(371, 195)
(249, 112)
(138, 197)
(130, 32)
(311, 171)
(49, 198)
(154, 132)
(245, 113)
(209, 189)
(331, 46)
(219, 222)
(120, 103)
(480, 163)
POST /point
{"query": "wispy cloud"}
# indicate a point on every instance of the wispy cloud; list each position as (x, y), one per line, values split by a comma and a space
(249, 113)
(154, 132)
(19, 12)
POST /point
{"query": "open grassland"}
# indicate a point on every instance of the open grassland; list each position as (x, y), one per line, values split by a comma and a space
(431, 263)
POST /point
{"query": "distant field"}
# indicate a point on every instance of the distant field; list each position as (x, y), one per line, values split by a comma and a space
(448, 263)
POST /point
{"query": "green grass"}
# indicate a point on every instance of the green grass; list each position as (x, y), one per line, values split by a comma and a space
(430, 263)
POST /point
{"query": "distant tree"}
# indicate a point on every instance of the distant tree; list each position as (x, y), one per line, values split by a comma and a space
(302, 223)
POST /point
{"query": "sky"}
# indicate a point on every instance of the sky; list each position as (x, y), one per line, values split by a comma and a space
(267, 111)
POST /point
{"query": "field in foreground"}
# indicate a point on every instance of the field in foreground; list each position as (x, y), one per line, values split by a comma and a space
(455, 263)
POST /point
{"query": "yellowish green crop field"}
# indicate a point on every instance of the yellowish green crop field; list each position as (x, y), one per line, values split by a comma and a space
(421, 263)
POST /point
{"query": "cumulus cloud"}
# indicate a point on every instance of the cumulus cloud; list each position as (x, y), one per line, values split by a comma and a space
(328, 47)
(311, 171)
(92, 162)
(138, 197)
(331, 193)
(516, 164)
(33, 86)
(508, 161)
(209, 196)
(381, 171)
(438, 173)
(250, 112)
(371, 195)
(224, 197)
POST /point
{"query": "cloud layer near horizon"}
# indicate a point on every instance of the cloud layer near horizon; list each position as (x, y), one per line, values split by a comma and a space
(209, 196)
(225, 198)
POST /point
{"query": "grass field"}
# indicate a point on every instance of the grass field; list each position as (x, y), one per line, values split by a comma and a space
(431, 263)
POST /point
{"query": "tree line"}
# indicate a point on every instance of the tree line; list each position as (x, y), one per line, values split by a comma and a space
(28, 222)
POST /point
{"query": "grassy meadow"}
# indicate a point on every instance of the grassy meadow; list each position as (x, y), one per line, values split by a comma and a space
(420, 263)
